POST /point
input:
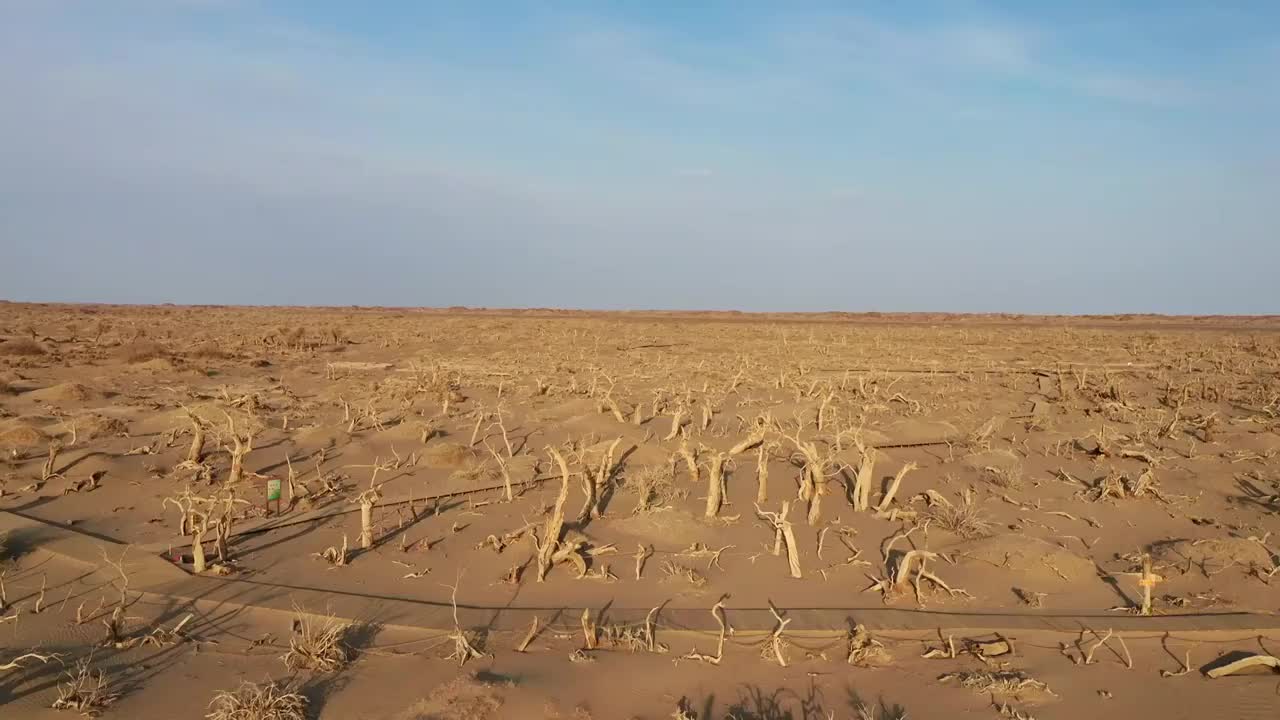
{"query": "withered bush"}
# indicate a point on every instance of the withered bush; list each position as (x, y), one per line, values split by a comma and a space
(22, 347)
(142, 350)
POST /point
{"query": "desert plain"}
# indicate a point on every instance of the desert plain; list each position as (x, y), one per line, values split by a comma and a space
(401, 514)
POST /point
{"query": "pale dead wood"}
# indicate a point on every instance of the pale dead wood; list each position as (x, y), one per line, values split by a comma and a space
(528, 638)
(642, 554)
(199, 427)
(1102, 640)
(754, 439)
(1245, 663)
(555, 523)
(776, 643)
(21, 659)
(85, 689)
(596, 488)
(865, 650)
(676, 421)
(784, 535)
(865, 477)
(893, 487)
(1128, 658)
(650, 631)
(334, 555)
(463, 650)
(690, 459)
(47, 471)
(44, 580)
(502, 467)
(1185, 662)
(715, 484)
(590, 633)
(717, 611)
(762, 474)
(242, 444)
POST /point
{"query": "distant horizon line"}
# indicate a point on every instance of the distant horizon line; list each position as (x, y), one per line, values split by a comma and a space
(499, 309)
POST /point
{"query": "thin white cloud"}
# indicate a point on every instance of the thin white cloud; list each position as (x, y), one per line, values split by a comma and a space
(811, 59)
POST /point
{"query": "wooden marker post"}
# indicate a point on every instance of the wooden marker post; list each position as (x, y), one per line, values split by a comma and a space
(1147, 582)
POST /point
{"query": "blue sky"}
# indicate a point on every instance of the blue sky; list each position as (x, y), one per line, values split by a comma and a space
(954, 156)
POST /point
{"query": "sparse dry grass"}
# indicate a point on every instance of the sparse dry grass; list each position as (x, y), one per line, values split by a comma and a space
(1006, 477)
(677, 572)
(22, 347)
(90, 426)
(208, 350)
(448, 455)
(67, 392)
(477, 472)
(966, 520)
(997, 682)
(879, 712)
(317, 643)
(140, 351)
(254, 701)
(22, 437)
(865, 650)
(464, 698)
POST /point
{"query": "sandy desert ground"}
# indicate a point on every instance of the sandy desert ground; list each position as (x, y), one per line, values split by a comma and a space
(547, 514)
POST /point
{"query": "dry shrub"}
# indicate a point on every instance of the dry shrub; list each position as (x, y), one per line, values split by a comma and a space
(292, 337)
(448, 455)
(480, 471)
(633, 638)
(1008, 477)
(251, 701)
(879, 712)
(865, 650)
(464, 698)
(674, 571)
(140, 351)
(162, 364)
(966, 520)
(1002, 468)
(22, 347)
(22, 437)
(208, 350)
(317, 643)
(1122, 487)
(655, 488)
(998, 682)
(93, 425)
(85, 689)
(66, 392)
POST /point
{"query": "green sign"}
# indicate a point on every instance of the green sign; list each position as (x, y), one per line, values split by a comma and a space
(273, 489)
